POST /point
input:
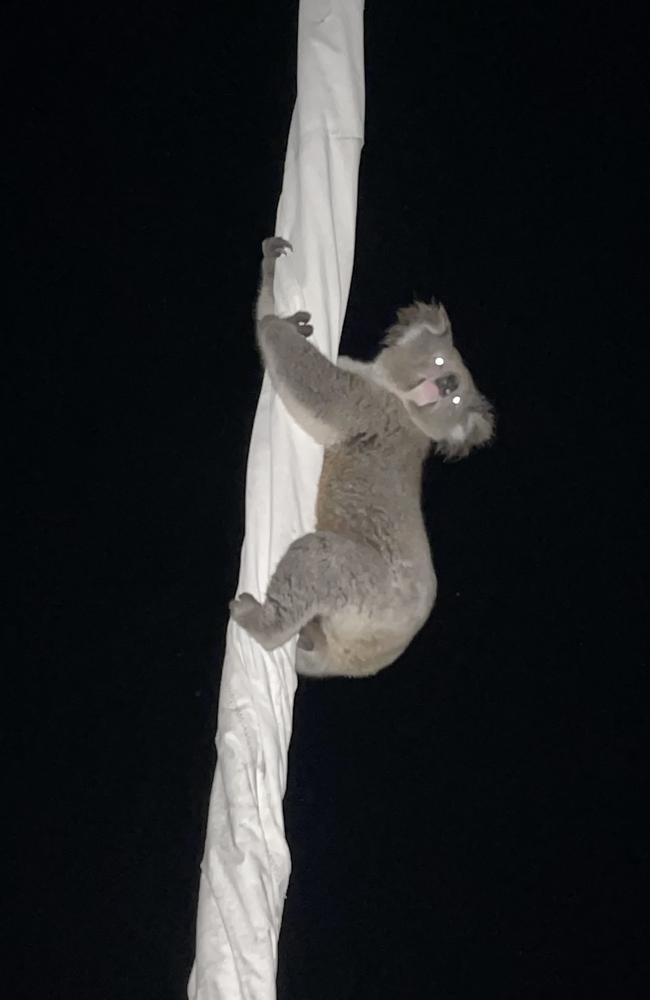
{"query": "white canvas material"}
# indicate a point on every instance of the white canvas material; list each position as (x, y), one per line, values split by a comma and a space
(246, 863)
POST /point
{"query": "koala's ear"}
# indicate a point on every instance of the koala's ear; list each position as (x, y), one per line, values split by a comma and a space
(420, 316)
(442, 321)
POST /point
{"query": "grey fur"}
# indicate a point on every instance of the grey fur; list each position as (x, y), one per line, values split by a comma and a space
(360, 586)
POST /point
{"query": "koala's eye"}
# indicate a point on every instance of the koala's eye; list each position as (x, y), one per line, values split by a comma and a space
(439, 361)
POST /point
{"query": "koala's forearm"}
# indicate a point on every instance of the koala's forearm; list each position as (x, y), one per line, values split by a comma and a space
(317, 393)
(272, 249)
(296, 366)
(265, 300)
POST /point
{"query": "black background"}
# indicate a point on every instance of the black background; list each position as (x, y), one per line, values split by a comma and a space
(463, 825)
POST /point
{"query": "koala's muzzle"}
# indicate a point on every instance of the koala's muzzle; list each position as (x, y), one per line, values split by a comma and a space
(447, 384)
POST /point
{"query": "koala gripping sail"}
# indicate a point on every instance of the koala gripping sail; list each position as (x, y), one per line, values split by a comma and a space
(358, 588)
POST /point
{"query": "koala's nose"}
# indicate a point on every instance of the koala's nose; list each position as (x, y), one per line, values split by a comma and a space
(447, 384)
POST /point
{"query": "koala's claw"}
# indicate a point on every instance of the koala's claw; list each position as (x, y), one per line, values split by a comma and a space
(301, 322)
(275, 246)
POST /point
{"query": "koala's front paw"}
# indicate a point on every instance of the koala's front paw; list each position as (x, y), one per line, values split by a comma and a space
(275, 246)
(301, 322)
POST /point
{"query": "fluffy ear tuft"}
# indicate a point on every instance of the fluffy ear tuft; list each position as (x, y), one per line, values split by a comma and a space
(431, 315)
(473, 429)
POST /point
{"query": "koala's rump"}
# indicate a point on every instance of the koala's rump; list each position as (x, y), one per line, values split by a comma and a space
(376, 504)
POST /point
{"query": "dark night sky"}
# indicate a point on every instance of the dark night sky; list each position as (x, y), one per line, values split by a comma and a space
(463, 825)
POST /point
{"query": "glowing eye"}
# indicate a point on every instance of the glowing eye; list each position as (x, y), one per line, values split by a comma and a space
(439, 361)
(455, 399)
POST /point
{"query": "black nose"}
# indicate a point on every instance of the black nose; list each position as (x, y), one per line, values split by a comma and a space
(447, 384)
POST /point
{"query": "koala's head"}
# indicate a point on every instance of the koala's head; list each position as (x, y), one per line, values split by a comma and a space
(420, 364)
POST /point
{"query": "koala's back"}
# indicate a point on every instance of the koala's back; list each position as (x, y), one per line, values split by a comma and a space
(369, 495)
(370, 483)
(369, 491)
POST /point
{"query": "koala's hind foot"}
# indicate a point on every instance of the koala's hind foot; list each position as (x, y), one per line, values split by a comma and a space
(247, 611)
(311, 636)
(311, 651)
(264, 622)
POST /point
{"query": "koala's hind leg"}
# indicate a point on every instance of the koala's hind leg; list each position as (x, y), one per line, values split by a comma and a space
(320, 573)
(311, 636)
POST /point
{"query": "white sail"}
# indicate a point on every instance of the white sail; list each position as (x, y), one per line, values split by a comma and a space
(246, 863)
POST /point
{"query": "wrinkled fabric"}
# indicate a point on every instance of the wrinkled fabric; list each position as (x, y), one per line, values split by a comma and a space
(246, 863)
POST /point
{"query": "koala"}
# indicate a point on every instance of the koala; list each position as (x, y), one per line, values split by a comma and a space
(358, 588)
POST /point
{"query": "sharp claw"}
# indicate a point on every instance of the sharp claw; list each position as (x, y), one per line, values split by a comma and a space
(275, 246)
